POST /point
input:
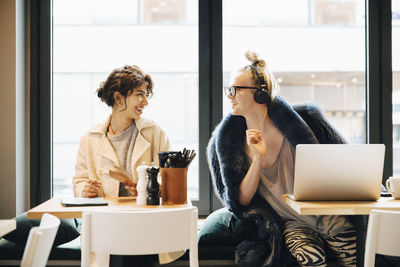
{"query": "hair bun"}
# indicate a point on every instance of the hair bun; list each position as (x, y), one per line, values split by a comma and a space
(254, 59)
(100, 93)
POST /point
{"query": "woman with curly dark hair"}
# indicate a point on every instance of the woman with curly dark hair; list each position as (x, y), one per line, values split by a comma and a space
(124, 139)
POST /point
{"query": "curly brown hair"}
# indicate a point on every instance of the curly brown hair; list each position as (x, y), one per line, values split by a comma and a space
(124, 80)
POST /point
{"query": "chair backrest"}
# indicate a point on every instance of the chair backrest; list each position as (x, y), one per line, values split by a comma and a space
(383, 235)
(40, 242)
(138, 232)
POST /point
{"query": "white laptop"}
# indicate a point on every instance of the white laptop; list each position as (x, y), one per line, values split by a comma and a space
(338, 172)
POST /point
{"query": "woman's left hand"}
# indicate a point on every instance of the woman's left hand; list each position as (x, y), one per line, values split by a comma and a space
(131, 189)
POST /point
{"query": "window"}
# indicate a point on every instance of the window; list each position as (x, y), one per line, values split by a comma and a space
(314, 47)
(315, 50)
(90, 41)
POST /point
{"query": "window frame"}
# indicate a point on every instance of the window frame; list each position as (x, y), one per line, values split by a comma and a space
(378, 91)
(41, 63)
(379, 78)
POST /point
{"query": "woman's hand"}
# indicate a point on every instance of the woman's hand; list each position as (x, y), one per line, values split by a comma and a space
(256, 143)
(131, 189)
(248, 186)
(91, 188)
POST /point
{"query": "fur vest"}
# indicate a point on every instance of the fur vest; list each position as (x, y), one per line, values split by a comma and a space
(228, 163)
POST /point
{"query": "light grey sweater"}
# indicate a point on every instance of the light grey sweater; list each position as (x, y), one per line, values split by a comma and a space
(123, 144)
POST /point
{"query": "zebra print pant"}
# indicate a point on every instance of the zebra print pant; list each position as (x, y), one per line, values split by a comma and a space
(308, 247)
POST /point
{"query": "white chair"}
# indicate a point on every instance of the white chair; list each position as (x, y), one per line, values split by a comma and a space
(40, 242)
(139, 232)
(383, 235)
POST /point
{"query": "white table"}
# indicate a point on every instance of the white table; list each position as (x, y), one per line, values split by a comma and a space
(7, 226)
(53, 206)
(341, 207)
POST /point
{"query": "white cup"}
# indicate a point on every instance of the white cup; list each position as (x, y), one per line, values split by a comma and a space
(393, 186)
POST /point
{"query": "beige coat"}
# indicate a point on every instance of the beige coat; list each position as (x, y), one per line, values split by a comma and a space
(96, 155)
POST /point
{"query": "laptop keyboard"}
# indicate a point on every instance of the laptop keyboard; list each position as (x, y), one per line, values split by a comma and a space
(384, 192)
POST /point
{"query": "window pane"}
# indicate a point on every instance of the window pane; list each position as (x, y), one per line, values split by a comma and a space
(396, 84)
(90, 41)
(317, 53)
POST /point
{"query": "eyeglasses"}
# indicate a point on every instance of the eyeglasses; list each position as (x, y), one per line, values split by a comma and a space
(232, 89)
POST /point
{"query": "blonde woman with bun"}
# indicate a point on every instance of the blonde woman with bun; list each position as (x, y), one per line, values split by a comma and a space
(251, 158)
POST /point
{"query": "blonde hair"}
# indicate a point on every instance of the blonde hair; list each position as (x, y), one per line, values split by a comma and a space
(272, 84)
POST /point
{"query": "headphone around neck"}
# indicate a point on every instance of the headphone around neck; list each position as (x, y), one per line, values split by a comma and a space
(261, 95)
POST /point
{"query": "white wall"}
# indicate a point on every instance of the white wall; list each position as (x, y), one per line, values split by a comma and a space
(22, 107)
(13, 131)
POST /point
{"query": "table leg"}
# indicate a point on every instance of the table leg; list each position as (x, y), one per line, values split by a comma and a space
(361, 223)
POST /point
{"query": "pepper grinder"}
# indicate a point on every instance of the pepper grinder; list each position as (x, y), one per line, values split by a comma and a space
(153, 188)
(142, 184)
